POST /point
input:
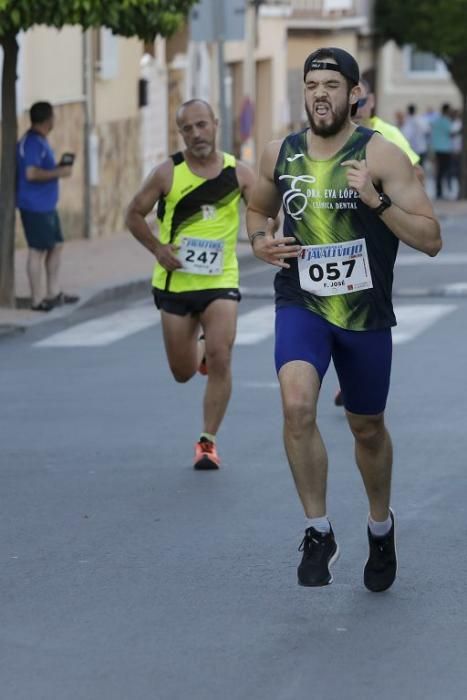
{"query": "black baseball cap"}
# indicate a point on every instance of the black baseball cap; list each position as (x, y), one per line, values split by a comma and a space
(346, 64)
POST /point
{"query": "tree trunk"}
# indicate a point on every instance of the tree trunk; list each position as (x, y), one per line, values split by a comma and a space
(463, 174)
(457, 70)
(8, 171)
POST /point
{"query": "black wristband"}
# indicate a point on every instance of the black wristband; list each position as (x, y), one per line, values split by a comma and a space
(255, 235)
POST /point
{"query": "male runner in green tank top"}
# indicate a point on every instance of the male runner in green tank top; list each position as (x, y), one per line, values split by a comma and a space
(195, 280)
(348, 196)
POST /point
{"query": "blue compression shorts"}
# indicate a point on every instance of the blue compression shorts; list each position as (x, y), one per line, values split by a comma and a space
(362, 358)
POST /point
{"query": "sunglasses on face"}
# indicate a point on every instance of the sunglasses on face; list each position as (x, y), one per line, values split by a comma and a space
(362, 102)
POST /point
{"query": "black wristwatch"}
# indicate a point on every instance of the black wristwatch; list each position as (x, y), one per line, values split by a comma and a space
(385, 202)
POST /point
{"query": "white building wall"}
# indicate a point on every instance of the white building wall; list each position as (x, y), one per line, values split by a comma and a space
(117, 97)
(154, 116)
(397, 87)
(272, 46)
(50, 66)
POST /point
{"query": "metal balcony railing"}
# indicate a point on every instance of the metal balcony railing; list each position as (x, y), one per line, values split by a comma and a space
(324, 8)
(324, 12)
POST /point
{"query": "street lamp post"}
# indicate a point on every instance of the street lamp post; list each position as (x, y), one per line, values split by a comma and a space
(219, 23)
(247, 118)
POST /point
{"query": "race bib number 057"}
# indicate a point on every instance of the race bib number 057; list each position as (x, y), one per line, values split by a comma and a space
(201, 257)
(335, 268)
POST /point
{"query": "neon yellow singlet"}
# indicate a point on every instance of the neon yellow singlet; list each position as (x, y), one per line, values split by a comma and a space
(392, 133)
(203, 209)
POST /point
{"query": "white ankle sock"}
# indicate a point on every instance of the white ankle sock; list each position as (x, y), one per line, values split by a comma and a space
(320, 524)
(378, 528)
(208, 436)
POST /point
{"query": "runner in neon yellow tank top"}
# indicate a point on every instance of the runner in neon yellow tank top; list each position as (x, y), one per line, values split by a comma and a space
(365, 116)
(195, 280)
(206, 209)
(348, 196)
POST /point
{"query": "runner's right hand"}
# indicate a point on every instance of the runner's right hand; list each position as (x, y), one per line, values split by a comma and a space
(166, 257)
(275, 250)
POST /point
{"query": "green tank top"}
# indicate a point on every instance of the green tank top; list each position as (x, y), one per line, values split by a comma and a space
(321, 210)
(197, 208)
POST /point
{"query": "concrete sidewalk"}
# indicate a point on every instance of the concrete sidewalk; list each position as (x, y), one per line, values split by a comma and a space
(450, 208)
(95, 270)
(112, 266)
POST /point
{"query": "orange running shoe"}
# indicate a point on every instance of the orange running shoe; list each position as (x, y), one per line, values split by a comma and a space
(203, 368)
(206, 456)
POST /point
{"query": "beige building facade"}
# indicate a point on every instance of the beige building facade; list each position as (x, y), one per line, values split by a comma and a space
(115, 100)
(406, 76)
(286, 32)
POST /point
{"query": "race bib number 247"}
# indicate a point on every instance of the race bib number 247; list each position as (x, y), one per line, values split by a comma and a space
(200, 256)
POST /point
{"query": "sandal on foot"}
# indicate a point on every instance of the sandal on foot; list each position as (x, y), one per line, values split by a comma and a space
(44, 305)
(63, 298)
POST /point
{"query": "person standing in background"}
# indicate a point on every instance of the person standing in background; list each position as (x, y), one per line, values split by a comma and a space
(430, 115)
(365, 116)
(399, 118)
(37, 194)
(456, 155)
(416, 130)
(441, 145)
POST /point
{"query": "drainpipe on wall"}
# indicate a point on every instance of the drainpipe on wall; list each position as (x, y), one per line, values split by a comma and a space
(91, 143)
(248, 112)
(219, 24)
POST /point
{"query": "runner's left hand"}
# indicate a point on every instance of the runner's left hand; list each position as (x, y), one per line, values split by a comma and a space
(359, 179)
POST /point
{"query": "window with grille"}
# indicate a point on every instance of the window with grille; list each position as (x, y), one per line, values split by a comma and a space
(423, 63)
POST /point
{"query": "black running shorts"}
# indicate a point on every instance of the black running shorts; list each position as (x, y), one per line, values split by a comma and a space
(194, 303)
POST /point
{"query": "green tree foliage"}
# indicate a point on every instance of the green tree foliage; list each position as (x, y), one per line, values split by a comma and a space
(436, 26)
(140, 18)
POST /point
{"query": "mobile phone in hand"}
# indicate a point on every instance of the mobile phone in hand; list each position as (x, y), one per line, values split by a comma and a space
(67, 159)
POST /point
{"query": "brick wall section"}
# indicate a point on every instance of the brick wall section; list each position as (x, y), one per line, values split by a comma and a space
(120, 173)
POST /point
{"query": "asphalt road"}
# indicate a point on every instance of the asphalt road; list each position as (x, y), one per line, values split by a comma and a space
(127, 576)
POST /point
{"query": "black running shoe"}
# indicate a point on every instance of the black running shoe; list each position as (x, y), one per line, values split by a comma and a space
(320, 550)
(381, 567)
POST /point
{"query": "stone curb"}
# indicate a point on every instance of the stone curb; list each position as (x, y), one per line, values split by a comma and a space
(9, 329)
(135, 287)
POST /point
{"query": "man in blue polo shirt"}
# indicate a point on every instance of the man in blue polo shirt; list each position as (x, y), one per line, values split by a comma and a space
(36, 198)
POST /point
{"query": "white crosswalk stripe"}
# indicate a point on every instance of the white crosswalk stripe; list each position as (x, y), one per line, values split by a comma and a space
(253, 326)
(104, 330)
(442, 259)
(413, 319)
